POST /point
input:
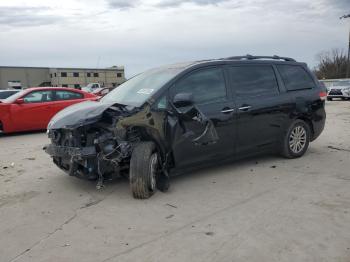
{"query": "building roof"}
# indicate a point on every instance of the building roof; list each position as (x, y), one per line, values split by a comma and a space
(65, 68)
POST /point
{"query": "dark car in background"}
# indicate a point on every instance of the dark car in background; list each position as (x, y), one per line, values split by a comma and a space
(7, 93)
(169, 120)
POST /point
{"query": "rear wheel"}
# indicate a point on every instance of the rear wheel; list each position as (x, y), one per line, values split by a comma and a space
(296, 140)
(144, 167)
(329, 99)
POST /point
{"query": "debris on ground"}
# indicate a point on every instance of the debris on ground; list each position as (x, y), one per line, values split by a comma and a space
(272, 166)
(171, 205)
(30, 158)
(170, 216)
(339, 149)
(209, 233)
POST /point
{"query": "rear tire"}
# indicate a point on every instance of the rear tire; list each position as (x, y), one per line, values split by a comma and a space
(297, 139)
(144, 166)
(329, 99)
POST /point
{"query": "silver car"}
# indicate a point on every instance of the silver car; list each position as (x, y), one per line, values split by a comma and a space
(339, 89)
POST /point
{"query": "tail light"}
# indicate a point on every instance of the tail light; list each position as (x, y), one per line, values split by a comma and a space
(323, 95)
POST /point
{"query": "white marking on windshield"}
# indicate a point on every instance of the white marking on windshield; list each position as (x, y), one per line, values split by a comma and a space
(145, 91)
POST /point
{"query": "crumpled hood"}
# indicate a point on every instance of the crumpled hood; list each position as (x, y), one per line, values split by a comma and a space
(78, 114)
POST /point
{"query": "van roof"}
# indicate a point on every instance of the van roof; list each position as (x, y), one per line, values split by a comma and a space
(246, 59)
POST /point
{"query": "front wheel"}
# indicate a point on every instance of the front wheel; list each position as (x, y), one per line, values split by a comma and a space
(144, 167)
(296, 140)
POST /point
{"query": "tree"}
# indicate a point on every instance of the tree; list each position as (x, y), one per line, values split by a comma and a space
(331, 64)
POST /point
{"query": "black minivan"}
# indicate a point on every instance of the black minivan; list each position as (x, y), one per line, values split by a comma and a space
(179, 117)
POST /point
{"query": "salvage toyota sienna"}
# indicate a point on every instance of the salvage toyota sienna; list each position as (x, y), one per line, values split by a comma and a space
(168, 120)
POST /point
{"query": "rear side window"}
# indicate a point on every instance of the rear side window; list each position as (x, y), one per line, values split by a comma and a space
(254, 80)
(295, 77)
(67, 95)
(206, 85)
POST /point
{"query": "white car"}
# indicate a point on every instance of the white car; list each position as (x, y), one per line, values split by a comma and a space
(90, 88)
(339, 89)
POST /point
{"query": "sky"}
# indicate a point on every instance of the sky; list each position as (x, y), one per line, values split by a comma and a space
(141, 34)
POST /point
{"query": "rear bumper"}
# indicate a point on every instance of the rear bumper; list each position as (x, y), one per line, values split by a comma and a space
(318, 123)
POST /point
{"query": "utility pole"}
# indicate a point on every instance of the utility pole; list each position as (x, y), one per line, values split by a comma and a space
(348, 62)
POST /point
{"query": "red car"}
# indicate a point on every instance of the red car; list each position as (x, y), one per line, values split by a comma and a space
(32, 108)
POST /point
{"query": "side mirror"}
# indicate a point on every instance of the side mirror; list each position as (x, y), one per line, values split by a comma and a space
(20, 101)
(183, 100)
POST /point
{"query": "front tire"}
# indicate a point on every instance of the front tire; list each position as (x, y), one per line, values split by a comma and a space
(297, 139)
(144, 166)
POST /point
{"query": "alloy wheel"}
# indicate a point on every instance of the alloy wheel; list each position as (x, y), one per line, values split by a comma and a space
(297, 139)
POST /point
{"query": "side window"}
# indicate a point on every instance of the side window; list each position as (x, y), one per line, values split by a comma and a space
(38, 97)
(162, 103)
(67, 95)
(254, 80)
(295, 77)
(207, 85)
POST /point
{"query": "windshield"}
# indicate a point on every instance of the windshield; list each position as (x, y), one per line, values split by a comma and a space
(342, 83)
(138, 89)
(14, 97)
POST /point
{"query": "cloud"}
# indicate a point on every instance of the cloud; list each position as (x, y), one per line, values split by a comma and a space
(16, 16)
(122, 4)
(176, 3)
(155, 32)
(343, 4)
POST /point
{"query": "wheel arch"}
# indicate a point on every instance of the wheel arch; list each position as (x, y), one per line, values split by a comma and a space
(310, 124)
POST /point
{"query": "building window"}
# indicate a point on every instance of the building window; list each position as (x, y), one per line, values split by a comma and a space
(55, 74)
(64, 85)
(63, 74)
(88, 74)
(95, 74)
(76, 74)
(119, 75)
(77, 86)
(50, 75)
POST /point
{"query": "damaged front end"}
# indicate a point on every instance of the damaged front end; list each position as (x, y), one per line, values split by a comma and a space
(86, 143)
(95, 141)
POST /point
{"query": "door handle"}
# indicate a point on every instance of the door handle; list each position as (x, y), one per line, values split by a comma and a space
(245, 108)
(227, 110)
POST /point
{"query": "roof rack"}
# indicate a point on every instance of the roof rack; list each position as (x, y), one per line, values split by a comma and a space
(252, 57)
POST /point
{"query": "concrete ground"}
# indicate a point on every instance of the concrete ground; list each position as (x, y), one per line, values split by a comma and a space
(262, 209)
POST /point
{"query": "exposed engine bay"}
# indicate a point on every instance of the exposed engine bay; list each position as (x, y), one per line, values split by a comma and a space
(95, 141)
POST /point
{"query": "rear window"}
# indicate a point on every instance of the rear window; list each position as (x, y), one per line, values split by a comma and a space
(295, 77)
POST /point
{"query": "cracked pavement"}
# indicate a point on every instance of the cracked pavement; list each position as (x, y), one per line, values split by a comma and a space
(261, 209)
